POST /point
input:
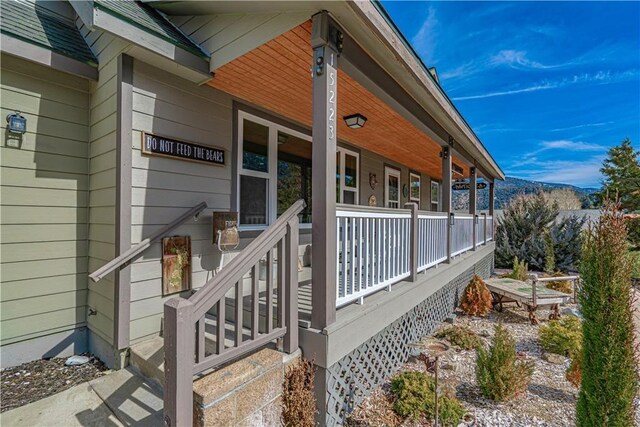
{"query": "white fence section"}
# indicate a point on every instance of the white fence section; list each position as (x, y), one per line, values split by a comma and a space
(461, 234)
(480, 224)
(489, 228)
(373, 250)
(432, 239)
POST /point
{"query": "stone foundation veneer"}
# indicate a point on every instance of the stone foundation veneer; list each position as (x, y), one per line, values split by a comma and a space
(244, 393)
(357, 374)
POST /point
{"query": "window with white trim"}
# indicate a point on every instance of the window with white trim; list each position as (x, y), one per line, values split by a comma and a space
(435, 193)
(414, 187)
(274, 170)
(347, 176)
(391, 187)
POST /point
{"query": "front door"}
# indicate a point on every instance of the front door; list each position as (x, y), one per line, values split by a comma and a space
(392, 187)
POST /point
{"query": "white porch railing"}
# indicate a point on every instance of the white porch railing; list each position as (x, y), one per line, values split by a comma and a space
(461, 234)
(480, 228)
(372, 250)
(489, 228)
(432, 239)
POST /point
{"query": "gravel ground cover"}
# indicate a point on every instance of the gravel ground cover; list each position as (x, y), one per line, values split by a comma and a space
(549, 401)
(36, 380)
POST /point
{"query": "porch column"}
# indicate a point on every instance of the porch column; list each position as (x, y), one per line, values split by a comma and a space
(446, 193)
(492, 194)
(325, 39)
(473, 180)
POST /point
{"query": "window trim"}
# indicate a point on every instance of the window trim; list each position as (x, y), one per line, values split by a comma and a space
(272, 175)
(342, 151)
(437, 187)
(391, 171)
(411, 198)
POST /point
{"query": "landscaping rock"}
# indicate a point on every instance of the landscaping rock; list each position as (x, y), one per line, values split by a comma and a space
(570, 311)
(556, 359)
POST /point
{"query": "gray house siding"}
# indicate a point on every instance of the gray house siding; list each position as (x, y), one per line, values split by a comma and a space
(44, 198)
(162, 188)
(102, 187)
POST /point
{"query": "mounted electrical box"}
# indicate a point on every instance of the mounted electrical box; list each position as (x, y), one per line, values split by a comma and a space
(225, 230)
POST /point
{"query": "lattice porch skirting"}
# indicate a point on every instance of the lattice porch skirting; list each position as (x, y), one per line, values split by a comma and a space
(356, 375)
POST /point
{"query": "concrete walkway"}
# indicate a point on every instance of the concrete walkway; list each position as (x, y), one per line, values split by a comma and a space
(118, 399)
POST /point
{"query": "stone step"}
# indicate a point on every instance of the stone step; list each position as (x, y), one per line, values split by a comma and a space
(147, 357)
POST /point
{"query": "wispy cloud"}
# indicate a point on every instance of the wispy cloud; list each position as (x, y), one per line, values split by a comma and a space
(584, 173)
(582, 126)
(601, 77)
(425, 39)
(564, 144)
(519, 59)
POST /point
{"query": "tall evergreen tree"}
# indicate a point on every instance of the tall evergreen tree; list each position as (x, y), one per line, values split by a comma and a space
(621, 170)
(609, 377)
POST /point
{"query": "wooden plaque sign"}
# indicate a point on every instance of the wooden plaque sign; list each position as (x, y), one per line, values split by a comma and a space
(466, 185)
(176, 264)
(166, 147)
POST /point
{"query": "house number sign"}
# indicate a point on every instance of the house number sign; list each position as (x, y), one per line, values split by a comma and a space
(166, 147)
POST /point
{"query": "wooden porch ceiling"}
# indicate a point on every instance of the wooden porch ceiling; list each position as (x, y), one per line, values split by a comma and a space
(277, 77)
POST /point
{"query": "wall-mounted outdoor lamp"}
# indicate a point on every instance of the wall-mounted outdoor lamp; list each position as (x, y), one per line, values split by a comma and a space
(355, 121)
(16, 123)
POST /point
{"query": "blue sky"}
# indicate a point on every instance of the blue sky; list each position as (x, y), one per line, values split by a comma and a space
(547, 86)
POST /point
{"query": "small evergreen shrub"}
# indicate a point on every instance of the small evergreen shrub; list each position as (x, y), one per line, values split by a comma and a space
(560, 285)
(520, 270)
(609, 377)
(415, 398)
(562, 336)
(460, 336)
(633, 231)
(298, 400)
(499, 373)
(550, 257)
(477, 299)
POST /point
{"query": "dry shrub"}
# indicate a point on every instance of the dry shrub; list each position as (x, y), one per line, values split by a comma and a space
(560, 285)
(298, 401)
(574, 371)
(476, 300)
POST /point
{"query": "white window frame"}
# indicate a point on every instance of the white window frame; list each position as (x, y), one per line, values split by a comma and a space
(342, 152)
(419, 177)
(272, 175)
(391, 171)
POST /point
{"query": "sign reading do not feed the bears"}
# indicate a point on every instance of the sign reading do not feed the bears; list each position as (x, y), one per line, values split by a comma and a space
(167, 147)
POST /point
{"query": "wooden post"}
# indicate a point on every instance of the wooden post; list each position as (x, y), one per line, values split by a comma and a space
(324, 128)
(291, 287)
(446, 194)
(413, 241)
(492, 196)
(473, 181)
(179, 348)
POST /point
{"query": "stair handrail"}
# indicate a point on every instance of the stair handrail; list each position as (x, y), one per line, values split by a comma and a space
(134, 251)
(204, 298)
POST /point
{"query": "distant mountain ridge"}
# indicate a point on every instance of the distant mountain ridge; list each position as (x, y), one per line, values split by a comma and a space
(511, 187)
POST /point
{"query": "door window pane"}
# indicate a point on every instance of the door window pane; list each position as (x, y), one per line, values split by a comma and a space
(255, 146)
(414, 181)
(393, 188)
(253, 200)
(349, 197)
(338, 169)
(294, 174)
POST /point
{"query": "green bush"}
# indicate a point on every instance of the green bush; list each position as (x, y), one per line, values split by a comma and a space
(562, 336)
(414, 394)
(521, 232)
(499, 373)
(609, 376)
(460, 336)
(549, 254)
(635, 261)
(520, 270)
(633, 227)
